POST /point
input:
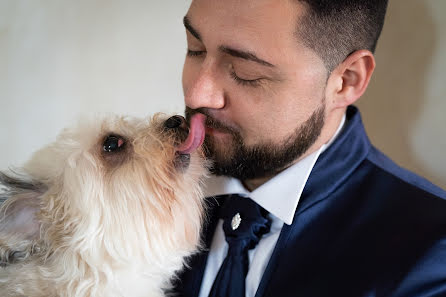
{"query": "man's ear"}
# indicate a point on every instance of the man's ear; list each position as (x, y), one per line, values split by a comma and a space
(350, 79)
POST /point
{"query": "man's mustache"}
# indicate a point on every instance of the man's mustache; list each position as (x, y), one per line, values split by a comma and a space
(210, 122)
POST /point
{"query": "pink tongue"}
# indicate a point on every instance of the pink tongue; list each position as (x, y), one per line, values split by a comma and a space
(196, 134)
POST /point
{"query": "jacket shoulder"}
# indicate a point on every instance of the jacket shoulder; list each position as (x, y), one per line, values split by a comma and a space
(404, 176)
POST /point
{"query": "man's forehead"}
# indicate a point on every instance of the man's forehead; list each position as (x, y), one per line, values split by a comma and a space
(267, 22)
(251, 14)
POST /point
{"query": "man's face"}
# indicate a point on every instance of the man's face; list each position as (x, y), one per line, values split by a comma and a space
(262, 90)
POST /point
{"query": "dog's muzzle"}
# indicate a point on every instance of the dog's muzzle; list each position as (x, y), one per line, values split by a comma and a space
(178, 125)
(190, 137)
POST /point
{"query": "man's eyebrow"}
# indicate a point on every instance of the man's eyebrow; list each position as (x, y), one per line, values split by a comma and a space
(244, 55)
(191, 29)
(230, 51)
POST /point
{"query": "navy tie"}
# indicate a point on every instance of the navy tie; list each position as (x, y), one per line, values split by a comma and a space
(244, 224)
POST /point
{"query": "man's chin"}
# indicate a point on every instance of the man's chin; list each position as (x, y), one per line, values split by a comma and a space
(233, 157)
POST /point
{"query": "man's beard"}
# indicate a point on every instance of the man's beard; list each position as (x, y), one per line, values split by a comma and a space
(244, 162)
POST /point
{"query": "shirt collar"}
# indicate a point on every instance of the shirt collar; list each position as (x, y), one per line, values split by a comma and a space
(280, 195)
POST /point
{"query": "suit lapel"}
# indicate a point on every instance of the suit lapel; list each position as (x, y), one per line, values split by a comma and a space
(343, 156)
(268, 275)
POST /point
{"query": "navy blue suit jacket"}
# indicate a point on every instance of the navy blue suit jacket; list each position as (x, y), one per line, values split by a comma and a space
(363, 227)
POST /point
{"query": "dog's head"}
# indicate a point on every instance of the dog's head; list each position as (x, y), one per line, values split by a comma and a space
(115, 189)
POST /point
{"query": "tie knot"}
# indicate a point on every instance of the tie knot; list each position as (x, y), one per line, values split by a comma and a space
(244, 222)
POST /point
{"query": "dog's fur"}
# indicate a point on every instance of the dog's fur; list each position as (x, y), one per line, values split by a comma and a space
(83, 222)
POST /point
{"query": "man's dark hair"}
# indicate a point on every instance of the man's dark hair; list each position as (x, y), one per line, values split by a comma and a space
(336, 28)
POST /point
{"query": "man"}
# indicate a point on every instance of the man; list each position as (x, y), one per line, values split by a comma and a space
(276, 80)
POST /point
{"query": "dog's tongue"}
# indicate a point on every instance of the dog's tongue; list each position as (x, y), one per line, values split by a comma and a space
(196, 134)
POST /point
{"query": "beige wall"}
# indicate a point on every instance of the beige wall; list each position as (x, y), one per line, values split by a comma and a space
(404, 108)
(61, 58)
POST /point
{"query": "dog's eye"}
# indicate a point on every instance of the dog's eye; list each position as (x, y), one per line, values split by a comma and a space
(113, 143)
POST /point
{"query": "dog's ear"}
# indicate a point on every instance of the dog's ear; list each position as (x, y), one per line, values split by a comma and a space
(19, 226)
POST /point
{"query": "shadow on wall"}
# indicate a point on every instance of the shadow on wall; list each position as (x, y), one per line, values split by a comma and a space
(395, 97)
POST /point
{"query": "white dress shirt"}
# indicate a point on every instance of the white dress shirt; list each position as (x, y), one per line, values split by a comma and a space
(279, 196)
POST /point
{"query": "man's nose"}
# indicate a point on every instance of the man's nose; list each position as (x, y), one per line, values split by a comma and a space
(205, 91)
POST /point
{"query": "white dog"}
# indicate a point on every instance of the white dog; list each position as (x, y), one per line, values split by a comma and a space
(109, 209)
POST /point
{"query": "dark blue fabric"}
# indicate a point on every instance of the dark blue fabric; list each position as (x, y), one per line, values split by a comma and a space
(364, 227)
(230, 280)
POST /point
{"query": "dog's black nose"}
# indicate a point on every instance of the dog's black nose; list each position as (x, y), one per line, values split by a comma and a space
(174, 122)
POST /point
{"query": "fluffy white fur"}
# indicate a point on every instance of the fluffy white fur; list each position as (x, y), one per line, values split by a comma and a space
(82, 222)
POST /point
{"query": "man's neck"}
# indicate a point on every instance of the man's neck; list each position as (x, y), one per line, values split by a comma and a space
(253, 184)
